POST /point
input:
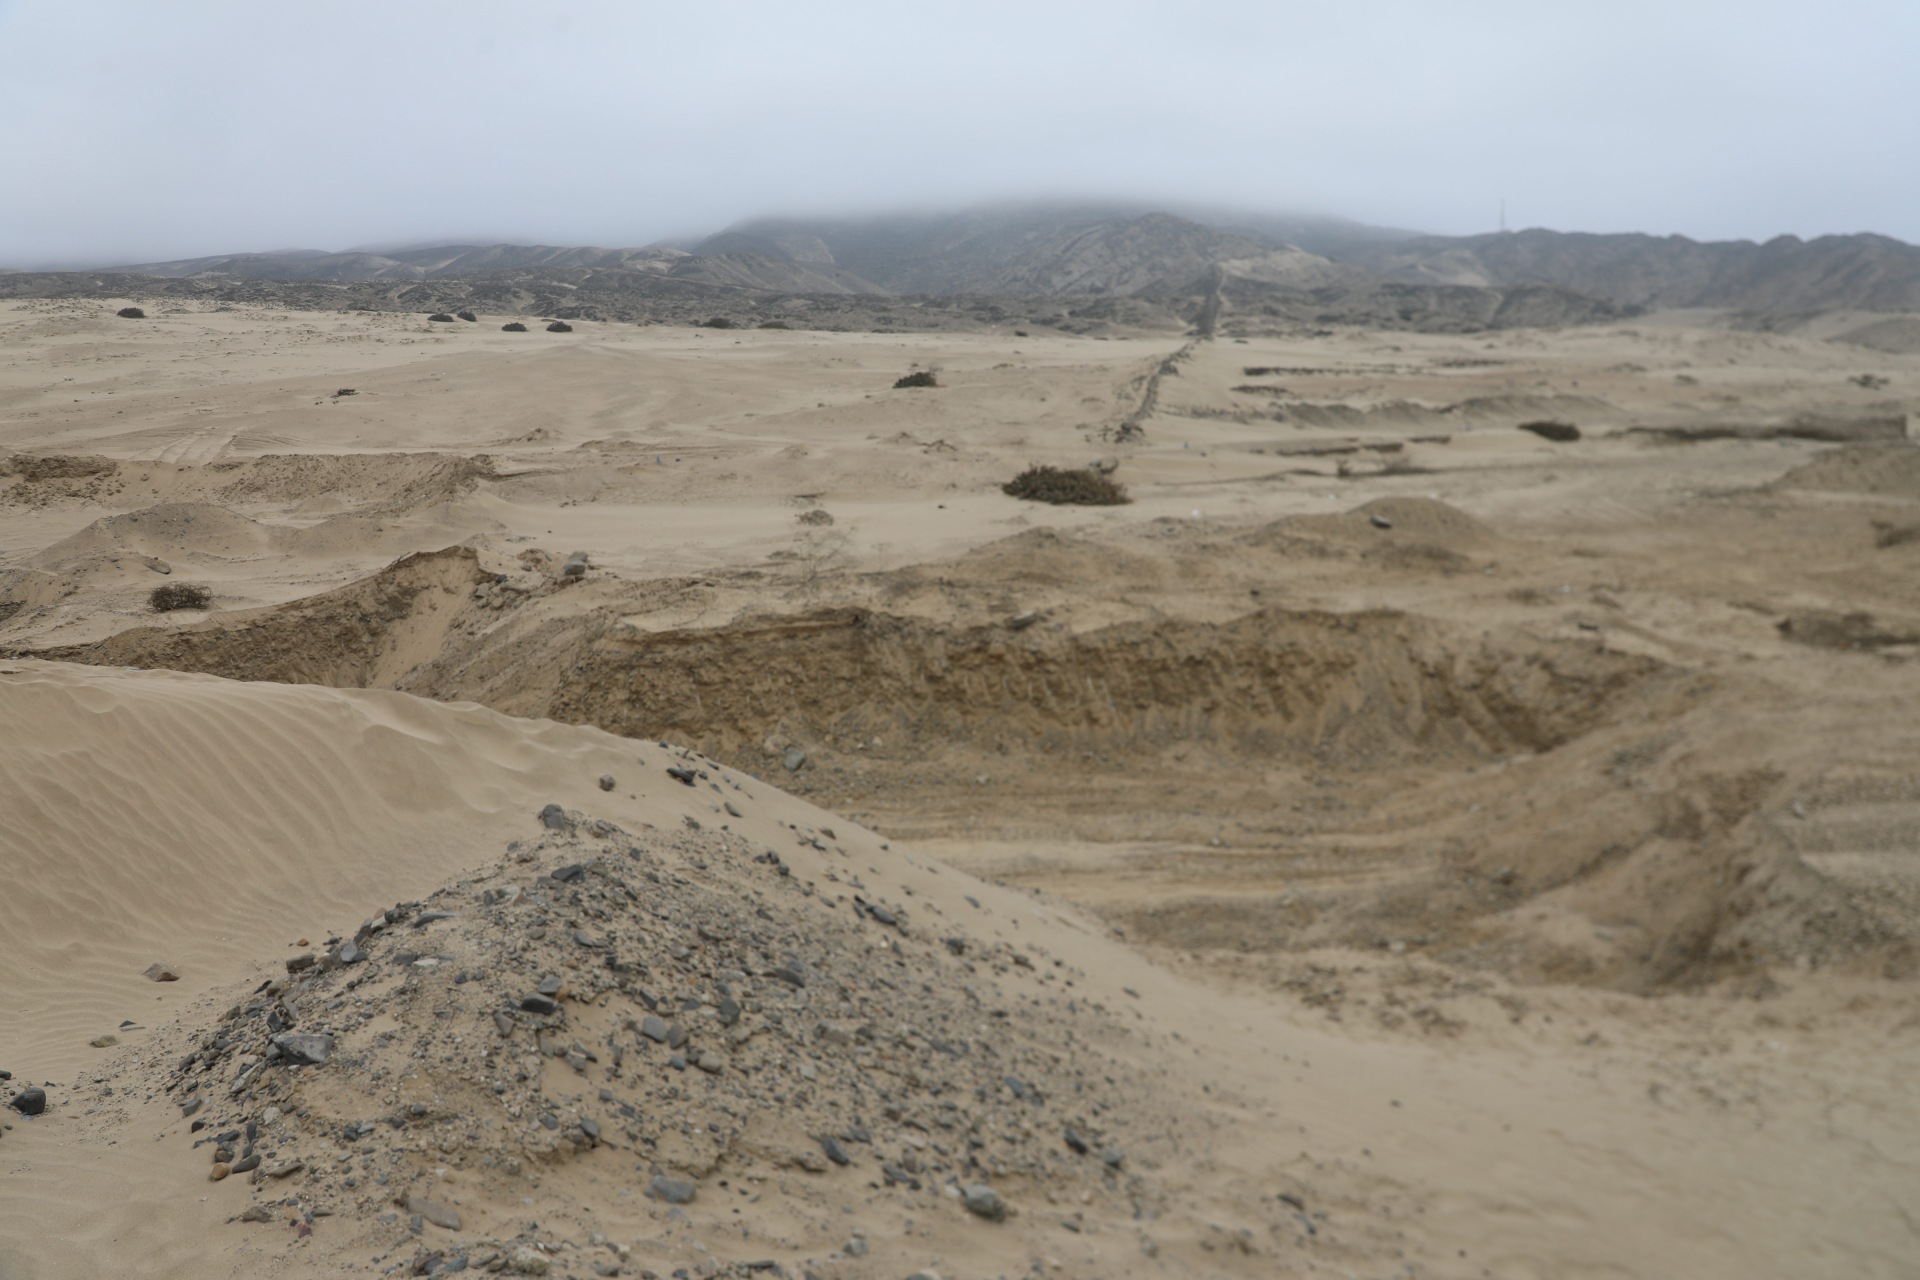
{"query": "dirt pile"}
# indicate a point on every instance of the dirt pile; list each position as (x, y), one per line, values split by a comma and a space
(1891, 471)
(685, 1015)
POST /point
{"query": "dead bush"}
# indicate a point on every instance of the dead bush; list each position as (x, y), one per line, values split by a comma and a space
(924, 378)
(440, 317)
(179, 595)
(1558, 432)
(131, 313)
(513, 326)
(559, 326)
(1077, 488)
(468, 316)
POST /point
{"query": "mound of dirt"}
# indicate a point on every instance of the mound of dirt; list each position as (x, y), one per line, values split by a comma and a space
(372, 632)
(1417, 532)
(1898, 335)
(173, 530)
(1891, 471)
(56, 466)
(681, 1013)
(371, 481)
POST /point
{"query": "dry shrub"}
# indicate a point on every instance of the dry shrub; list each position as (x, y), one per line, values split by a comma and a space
(924, 378)
(1558, 432)
(131, 313)
(559, 326)
(513, 326)
(1078, 488)
(468, 316)
(179, 595)
(717, 322)
(440, 317)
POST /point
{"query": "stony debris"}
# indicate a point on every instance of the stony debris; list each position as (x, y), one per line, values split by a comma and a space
(30, 1102)
(685, 1008)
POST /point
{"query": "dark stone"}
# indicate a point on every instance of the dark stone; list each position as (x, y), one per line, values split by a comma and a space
(569, 873)
(350, 953)
(30, 1102)
(654, 1028)
(246, 1164)
(687, 776)
(606, 782)
(428, 917)
(543, 1005)
(835, 1152)
(789, 975)
(1076, 1143)
(554, 818)
(549, 986)
(984, 1202)
(306, 1050)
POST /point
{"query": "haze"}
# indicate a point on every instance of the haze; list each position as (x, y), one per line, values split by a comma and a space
(137, 132)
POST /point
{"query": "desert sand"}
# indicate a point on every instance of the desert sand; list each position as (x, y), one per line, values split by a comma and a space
(1471, 853)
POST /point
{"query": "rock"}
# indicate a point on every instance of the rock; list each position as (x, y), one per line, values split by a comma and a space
(190, 1106)
(258, 1213)
(104, 1042)
(550, 985)
(1077, 1144)
(576, 565)
(350, 953)
(302, 962)
(161, 973)
(686, 777)
(529, 1261)
(606, 782)
(156, 564)
(537, 1003)
(304, 1050)
(671, 1190)
(728, 805)
(984, 1202)
(439, 1215)
(924, 1274)
(710, 1062)
(554, 818)
(30, 1102)
(1380, 522)
(834, 1151)
(286, 1169)
(793, 758)
(654, 1028)
(1113, 1157)
(246, 1164)
(218, 1172)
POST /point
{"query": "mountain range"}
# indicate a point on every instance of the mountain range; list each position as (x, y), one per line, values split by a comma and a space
(1288, 265)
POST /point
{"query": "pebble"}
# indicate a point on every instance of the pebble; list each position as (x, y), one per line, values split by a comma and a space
(246, 1164)
(654, 1028)
(553, 818)
(286, 1169)
(537, 1003)
(104, 1042)
(529, 1261)
(305, 960)
(161, 973)
(30, 1102)
(984, 1202)
(793, 758)
(834, 1151)
(258, 1213)
(671, 1190)
(218, 1172)
(439, 1215)
(350, 953)
(606, 782)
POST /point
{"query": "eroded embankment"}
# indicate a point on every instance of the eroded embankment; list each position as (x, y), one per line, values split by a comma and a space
(1280, 780)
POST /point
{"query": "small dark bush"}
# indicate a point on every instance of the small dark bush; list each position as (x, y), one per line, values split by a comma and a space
(1078, 488)
(513, 326)
(131, 313)
(559, 326)
(717, 322)
(1021, 333)
(440, 317)
(775, 324)
(179, 595)
(468, 316)
(924, 378)
(1558, 432)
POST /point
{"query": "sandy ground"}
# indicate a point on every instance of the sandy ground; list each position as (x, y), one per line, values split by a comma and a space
(1499, 856)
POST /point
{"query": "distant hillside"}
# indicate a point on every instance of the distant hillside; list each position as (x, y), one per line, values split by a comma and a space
(410, 264)
(1042, 251)
(1786, 274)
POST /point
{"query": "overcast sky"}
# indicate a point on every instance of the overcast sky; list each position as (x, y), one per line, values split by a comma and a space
(136, 130)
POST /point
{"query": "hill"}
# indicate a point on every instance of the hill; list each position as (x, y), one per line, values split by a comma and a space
(1786, 274)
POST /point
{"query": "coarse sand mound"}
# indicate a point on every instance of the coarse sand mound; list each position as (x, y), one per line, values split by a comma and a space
(1891, 471)
(174, 530)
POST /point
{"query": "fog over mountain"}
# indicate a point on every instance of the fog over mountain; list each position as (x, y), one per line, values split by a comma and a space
(143, 133)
